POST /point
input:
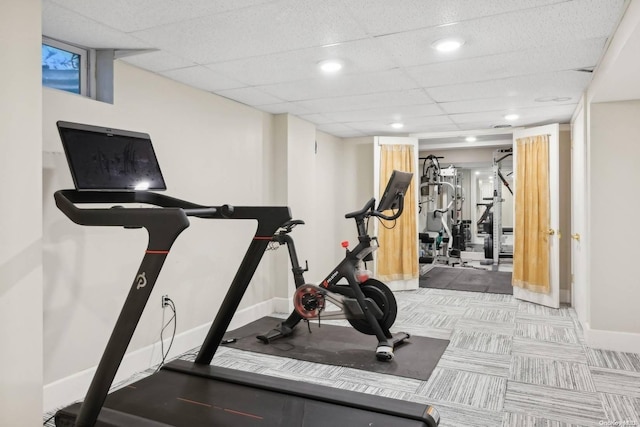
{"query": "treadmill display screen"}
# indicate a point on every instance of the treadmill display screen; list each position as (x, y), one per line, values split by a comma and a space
(110, 159)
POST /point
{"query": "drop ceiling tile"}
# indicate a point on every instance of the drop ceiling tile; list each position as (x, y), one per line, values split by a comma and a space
(62, 24)
(507, 103)
(249, 95)
(128, 16)
(385, 113)
(284, 107)
(542, 59)
(527, 115)
(157, 61)
(360, 102)
(344, 85)
(202, 78)
(260, 30)
(340, 130)
(317, 119)
(392, 16)
(357, 56)
(558, 83)
(525, 29)
(411, 125)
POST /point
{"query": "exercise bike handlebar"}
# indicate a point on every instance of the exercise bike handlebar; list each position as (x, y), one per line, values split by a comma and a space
(368, 211)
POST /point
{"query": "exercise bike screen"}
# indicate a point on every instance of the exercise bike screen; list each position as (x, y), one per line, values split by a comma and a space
(110, 159)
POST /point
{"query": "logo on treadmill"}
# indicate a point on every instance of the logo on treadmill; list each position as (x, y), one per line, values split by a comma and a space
(141, 280)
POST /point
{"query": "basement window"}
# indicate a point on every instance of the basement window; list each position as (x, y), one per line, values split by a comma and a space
(65, 67)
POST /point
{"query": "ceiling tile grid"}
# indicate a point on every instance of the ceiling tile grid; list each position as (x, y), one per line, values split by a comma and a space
(128, 16)
(560, 83)
(543, 59)
(158, 61)
(264, 29)
(360, 56)
(518, 55)
(202, 78)
(370, 100)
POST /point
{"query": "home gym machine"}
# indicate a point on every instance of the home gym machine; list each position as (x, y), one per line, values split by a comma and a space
(184, 393)
(445, 233)
(367, 304)
(490, 222)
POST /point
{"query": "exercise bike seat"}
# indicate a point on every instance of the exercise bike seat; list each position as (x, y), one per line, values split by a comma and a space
(288, 226)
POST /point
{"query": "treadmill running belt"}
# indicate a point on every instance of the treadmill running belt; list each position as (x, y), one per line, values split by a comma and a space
(199, 399)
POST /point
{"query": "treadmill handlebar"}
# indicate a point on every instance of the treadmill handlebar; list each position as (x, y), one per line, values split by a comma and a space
(66, 200)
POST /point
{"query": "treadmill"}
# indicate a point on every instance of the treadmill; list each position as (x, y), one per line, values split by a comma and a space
(112, 168)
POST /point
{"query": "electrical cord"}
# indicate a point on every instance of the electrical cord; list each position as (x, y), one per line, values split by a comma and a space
(173, 319)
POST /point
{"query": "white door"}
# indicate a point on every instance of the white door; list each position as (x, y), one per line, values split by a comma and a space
(395, 285)
(552, 299)
(579, 292)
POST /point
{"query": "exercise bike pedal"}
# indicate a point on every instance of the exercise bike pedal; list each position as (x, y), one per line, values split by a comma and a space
(384, 353)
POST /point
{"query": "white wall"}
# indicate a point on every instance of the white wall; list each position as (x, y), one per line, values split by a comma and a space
(212, 151)
(20, 214)
(614, 178)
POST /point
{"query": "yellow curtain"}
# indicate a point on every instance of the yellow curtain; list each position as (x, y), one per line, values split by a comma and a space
(398, 255)
(531, 238)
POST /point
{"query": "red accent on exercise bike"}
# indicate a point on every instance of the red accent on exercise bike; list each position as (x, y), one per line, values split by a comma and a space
(149, 251)
(345, 244)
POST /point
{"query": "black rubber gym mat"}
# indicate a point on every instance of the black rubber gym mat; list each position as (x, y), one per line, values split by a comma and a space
(342, 346)
(468, 279)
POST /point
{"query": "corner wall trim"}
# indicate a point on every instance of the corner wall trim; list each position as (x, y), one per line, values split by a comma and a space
(72, 388)
(627, 342)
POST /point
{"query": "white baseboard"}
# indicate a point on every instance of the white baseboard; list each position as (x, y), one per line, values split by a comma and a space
(282, 305)
(73, 388)
(611, 340)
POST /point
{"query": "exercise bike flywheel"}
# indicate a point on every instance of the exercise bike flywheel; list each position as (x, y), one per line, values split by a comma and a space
(308, 301)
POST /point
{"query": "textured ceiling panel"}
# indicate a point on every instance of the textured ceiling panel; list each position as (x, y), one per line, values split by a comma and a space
(202, 78)
(264, 29)
(285, 107)
(384, 113)
(249, 96)
(392, 16)
(543, 59)
(504, 104)
(362, 102)
(264, 53)
(411, 125)
(360, 56)
(528, 115)
(62, 24)
(561, 83)
(128, 16)
(558, 23)
(158, 61)
(336, 86)
(340, 130)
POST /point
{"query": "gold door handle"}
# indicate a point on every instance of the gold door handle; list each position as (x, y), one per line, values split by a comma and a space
(551, 232)
(576, 237)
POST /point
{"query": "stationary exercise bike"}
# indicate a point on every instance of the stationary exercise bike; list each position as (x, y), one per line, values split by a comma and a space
(367, 304)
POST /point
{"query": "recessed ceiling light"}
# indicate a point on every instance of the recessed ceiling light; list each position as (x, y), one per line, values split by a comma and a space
(471, 139)
(511, 117)
(447, 45)
(330, 66)
(553, 99)
(397, 125)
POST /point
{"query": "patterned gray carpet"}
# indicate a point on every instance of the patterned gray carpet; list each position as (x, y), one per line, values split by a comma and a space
(509, 364)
